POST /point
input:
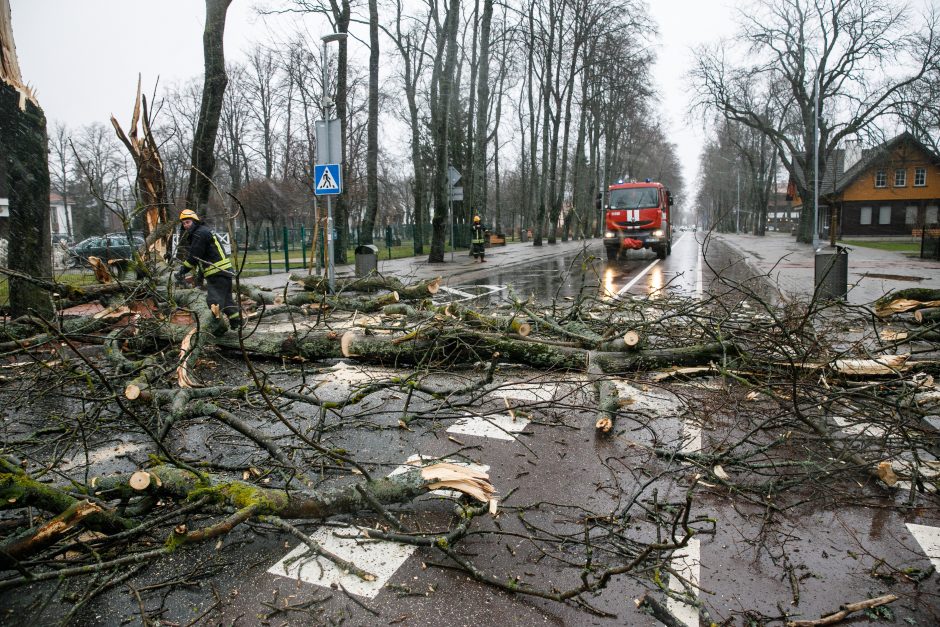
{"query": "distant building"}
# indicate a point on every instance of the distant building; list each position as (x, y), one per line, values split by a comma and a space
(890, 190)
(61, 224)
(60, 218)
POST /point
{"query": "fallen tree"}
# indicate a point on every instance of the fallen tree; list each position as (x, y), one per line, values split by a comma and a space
(293, 395)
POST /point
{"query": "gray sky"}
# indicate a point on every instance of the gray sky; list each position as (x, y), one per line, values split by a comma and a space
(83, 56)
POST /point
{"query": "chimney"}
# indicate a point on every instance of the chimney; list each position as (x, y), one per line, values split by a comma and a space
(853, 153)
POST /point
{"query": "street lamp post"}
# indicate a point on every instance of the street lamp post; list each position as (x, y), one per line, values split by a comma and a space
(816, 166)
(329, 158)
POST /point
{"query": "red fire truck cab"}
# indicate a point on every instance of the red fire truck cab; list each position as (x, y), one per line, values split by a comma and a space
(637, 215)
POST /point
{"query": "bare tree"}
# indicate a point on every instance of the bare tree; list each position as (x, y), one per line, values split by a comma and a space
(442, 91)
(372, 149)
(261, 97)
(855, 58)
(215, 79)
(61, 168)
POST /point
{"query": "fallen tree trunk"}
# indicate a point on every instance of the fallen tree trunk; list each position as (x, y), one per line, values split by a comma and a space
(372, 283)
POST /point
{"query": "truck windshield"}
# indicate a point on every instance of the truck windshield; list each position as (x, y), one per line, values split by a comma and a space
(634, 198)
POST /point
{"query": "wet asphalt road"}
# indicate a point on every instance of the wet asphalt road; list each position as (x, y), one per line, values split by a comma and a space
(807, 562)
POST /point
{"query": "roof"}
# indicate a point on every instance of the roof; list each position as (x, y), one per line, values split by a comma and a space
(836, 178)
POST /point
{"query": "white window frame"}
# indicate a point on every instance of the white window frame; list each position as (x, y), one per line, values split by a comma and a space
(864, 216)
(884, 215)
(881, 178)
(920, 177)
(900, 177)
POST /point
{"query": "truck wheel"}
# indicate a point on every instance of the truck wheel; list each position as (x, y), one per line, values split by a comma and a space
(661, 251)
(669, 247)
(612, 253)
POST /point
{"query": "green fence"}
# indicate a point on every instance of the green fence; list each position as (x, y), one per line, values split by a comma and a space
(295, 248)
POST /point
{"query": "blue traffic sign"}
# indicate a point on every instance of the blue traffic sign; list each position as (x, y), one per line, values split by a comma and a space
(328, 179)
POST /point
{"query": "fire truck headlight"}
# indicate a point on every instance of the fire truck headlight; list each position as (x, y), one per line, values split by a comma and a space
(609, 234)
(658, 233)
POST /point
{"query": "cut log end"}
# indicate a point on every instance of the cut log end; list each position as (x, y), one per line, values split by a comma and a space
(631, 338)
(434, 285)
(132, 392)
(604, 425)
(140, 480)
(524, 329)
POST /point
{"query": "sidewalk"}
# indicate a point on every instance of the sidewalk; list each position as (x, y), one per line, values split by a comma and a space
(459, 267)
(790, 266)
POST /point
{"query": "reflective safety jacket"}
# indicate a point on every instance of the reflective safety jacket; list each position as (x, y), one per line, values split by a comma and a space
(478, 234)
(206, 252)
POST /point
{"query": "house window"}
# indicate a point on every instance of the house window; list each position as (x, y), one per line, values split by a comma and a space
(864, 216)
(884, 215)
(881, 179)
(900, 177)
(910, 215)
(920, 177)
(931, 215)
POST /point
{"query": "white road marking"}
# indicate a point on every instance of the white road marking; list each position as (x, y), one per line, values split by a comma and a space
(633, 281)
(499, 426)
(691, 438)
(532, 392)
(455, 292)
(698, 273)
(687, 563)
(484, 290)
(929, 540)
(378, 557)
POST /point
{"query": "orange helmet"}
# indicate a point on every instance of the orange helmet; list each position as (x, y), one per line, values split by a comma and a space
(188, 214)
(476, 218)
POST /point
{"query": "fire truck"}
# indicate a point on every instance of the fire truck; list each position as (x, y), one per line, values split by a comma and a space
(637, 215)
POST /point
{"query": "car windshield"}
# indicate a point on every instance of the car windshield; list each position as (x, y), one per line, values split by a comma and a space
(634, 198)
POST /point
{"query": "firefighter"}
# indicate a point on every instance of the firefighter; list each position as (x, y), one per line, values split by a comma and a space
(476, 241)
(206, 257)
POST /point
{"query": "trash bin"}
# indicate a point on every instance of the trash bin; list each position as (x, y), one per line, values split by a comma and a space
(367, 259)
(832, 272)
(523, 236)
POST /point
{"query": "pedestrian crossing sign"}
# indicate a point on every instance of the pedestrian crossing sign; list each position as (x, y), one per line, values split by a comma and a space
(328, 181)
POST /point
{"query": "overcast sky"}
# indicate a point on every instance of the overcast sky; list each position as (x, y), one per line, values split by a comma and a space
(83, 56)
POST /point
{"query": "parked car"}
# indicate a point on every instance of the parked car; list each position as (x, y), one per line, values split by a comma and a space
(110, 247)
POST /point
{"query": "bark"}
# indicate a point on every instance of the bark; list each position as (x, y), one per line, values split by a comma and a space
(372, 149)
(24, 179)
(443, 80)
(213, 92)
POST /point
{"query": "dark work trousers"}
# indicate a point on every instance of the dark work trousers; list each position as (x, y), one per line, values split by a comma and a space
(219, 292)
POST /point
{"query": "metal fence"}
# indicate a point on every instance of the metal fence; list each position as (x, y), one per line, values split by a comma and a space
(930, 242)
(292, 248)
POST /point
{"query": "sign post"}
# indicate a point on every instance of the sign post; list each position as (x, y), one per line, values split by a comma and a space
(453, 193)
(327, 177)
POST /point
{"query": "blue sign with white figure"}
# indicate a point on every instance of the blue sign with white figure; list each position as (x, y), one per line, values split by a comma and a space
(328, 181)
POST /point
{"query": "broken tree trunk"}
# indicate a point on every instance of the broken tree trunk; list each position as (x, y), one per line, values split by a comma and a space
(151, 183)
(24, 179)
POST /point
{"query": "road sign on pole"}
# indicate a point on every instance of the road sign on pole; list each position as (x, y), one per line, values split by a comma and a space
(328, 181)
(453, 175)
(329, 146)
(456, 193)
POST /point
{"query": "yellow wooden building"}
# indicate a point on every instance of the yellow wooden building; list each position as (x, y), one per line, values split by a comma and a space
(890, 190)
